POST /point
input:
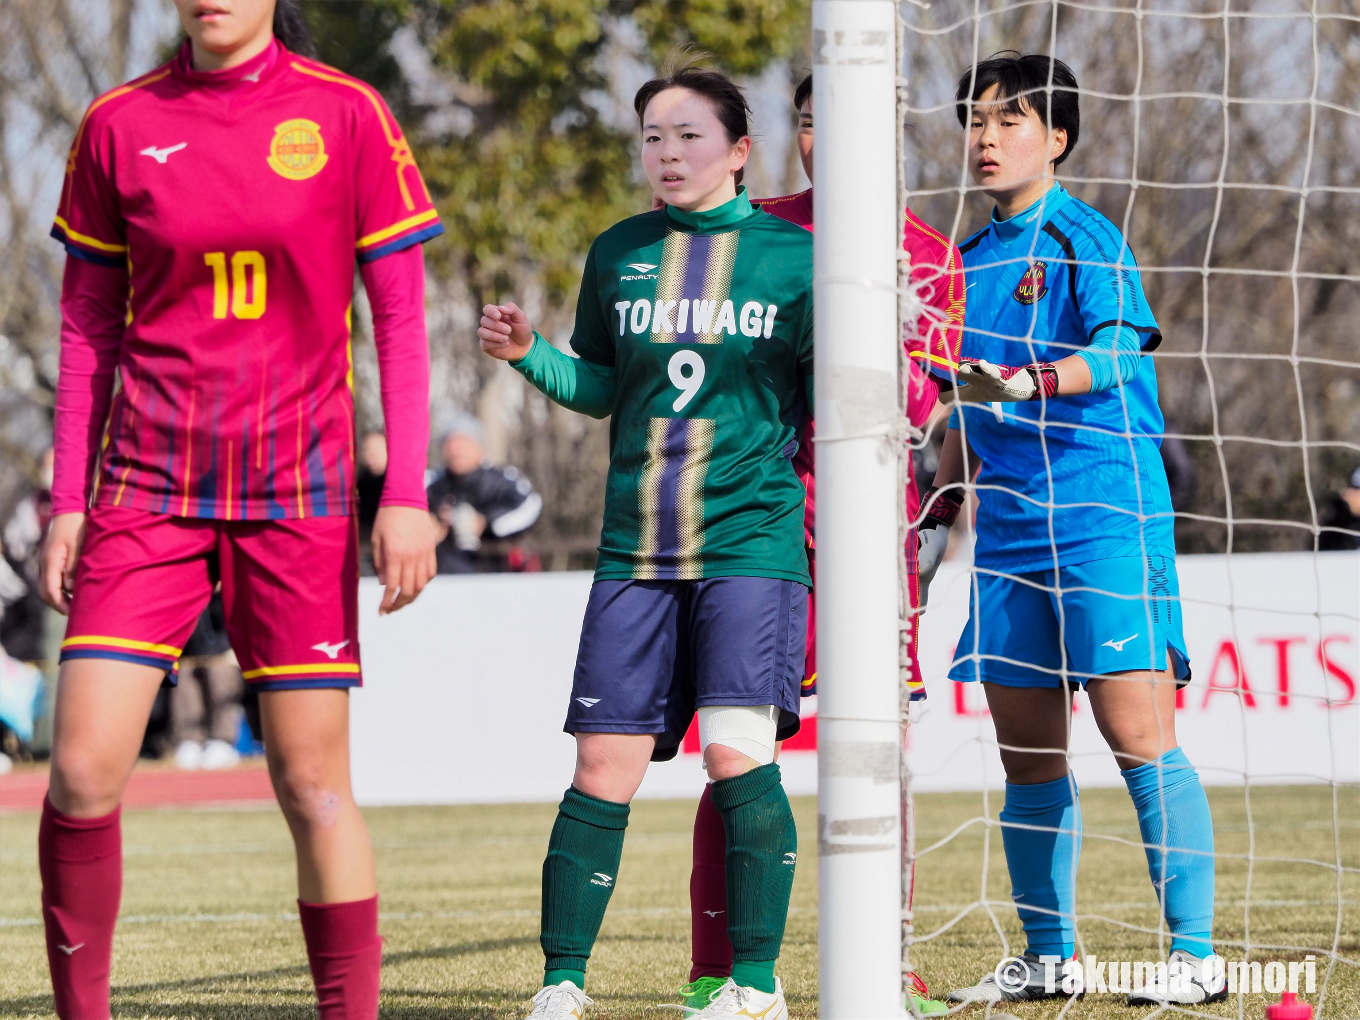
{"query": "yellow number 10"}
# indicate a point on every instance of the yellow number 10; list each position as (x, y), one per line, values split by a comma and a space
(241, 306)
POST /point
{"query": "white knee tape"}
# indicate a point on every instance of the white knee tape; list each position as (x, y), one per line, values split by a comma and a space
(749, 729)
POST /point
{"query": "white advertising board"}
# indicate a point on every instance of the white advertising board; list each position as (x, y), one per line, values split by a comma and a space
(466, 690)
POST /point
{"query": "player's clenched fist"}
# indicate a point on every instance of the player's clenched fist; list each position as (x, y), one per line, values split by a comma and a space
(58, 563)
(505, 332)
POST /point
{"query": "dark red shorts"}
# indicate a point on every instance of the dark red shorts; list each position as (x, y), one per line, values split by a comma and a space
(290, 589)
(916, 683)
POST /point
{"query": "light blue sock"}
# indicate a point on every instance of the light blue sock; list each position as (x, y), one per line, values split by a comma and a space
(1187, 894)
(1043, 864)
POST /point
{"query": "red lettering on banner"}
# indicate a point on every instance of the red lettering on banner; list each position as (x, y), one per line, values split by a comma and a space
(961, 706)
(1228, 651)
(1328, 666)
(690, 745)
(1282, 663)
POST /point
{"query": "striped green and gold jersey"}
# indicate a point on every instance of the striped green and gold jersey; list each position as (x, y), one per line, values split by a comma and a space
(706, 320)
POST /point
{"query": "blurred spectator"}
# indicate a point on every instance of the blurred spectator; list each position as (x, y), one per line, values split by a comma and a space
(1340, 518)
(372, 476)
(21, 626)
(473, 501)
(205, 707)
(1181, 476)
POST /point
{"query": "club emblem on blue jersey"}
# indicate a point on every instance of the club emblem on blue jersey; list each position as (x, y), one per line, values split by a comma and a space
(1031, 286)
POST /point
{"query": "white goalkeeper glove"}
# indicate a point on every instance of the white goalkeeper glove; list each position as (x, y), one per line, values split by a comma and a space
(985, 383)
(932, 535)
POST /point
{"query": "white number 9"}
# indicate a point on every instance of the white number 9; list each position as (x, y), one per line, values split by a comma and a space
(688, 385)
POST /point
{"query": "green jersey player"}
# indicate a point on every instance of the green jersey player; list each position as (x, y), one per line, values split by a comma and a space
(694, 332)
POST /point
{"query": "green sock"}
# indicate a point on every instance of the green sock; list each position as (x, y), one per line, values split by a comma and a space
(578, 878)
(754, 974)
(762, 850)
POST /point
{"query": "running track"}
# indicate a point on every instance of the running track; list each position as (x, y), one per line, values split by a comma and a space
(153, 786)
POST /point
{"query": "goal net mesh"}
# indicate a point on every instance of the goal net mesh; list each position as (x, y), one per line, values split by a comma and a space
(1222, 140)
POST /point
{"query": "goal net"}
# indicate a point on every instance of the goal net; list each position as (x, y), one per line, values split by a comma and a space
(1221, 140)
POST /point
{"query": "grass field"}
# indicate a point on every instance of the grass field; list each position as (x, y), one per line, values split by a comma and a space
(208, 930)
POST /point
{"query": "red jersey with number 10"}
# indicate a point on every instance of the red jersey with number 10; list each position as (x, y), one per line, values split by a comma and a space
(239, 201)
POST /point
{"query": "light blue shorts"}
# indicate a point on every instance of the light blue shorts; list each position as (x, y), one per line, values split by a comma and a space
(1113, 616)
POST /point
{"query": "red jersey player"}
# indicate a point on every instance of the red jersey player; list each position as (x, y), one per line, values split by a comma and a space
(933, 350)
(212, 213)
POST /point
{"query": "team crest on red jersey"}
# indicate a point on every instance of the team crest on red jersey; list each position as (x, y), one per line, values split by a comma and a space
(1031, 286)
(297, 151)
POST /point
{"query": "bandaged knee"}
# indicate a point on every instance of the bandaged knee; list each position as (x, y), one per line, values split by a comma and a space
(749, 729)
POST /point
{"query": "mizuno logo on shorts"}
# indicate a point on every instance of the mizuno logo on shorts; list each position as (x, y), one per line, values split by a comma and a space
(331, 650)
(1118, 646)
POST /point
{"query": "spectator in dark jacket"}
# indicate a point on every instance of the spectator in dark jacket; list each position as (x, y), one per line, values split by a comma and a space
(22, 616)
(1340, 518)
(372, 475)
(474, 502)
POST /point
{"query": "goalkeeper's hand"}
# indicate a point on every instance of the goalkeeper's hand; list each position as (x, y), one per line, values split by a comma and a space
(985, 383)
(932, 535)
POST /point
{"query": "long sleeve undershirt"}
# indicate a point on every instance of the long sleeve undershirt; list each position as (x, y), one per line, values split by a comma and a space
(575, 383)
(93, 310)
(396, 292)
(1112, 356)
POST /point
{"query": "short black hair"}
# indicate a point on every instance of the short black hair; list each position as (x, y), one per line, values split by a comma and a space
(688, 67)
(1034, 81)
(801, 93)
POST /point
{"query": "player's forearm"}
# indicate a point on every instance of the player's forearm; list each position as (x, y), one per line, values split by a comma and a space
(93, 307)
(396, 293)
(1111, 359)
(575, 383)
(923, 391)
(958, 462)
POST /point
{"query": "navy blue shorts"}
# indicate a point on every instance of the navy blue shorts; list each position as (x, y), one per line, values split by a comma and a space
(652, 652)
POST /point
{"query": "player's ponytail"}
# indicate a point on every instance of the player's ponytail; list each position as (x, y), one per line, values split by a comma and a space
(689, 67)
(290, 28)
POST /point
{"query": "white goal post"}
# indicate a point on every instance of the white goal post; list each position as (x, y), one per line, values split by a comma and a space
(857, 242)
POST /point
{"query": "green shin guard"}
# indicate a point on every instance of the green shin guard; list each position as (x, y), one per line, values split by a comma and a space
(762, 851)
(578, 878)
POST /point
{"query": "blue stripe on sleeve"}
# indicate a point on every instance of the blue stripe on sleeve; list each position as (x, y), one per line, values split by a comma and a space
(402, 243)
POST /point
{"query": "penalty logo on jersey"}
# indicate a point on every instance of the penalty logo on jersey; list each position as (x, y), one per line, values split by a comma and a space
(1031, 286)
(297, 151)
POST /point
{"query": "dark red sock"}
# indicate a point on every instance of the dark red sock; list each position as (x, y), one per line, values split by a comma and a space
(81, 863)
(711, 950)
(345, 954)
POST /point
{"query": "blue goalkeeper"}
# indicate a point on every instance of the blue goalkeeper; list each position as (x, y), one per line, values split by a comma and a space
(1076, 559)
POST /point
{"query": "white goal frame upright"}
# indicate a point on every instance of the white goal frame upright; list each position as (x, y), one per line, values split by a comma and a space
(856, 249)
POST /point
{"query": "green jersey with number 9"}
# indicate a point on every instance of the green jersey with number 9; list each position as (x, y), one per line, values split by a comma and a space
(704, 322)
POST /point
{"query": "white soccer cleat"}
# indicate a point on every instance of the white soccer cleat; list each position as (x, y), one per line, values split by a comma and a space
(734, 1000)
(1018, 979)
(560, 1002)
(1186, 981)
(218, 754)
(189, 755)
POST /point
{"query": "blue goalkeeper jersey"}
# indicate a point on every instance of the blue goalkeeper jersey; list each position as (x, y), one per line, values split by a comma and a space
(1070, 479)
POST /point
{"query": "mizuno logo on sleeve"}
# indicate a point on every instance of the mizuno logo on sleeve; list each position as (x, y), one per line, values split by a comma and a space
(161, 155)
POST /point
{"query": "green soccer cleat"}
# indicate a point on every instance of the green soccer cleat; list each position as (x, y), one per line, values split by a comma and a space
(698, 994)
(921, 1002)
(927, 1007)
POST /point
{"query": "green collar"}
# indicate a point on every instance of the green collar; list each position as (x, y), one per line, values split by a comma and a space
(729, 214)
